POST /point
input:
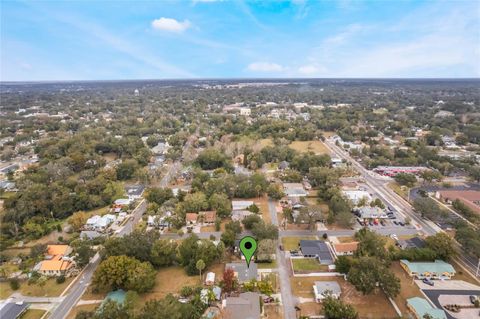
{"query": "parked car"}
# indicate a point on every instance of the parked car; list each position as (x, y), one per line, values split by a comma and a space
(428, 282)
(280, 247)
(395, 222)
(401, 223)
(370, 223)
(268, 299)
(473, 299)
(382, 222)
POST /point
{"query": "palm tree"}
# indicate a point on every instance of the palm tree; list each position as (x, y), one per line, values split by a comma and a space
(200, 266)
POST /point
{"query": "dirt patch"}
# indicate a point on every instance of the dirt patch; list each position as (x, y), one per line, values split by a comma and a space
(316, 147)
(272, 311)
(408, 287)
(310, 309)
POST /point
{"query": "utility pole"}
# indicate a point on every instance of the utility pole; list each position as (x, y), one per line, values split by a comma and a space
(478, 268)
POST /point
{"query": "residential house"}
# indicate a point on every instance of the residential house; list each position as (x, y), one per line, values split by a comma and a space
(135, 191)
(56, 261)
(191, 218)
(245, 111)
(123, 201)
(415, 242)
(294, 190)
(90, 234)
(241, 204)
(317, 249)
(322, 289)
(208, 217)
(100, 223)
(242, 272)
(345, 249)
(245, 306)
(355, 196)
(437, 269)
(239, 215)
(421, 308)
(13, 310)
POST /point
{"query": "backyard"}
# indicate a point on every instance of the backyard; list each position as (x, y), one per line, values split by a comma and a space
(308, 265)
(292, 243)
(50, 289)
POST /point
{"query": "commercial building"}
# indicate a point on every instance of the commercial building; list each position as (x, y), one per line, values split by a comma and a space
(421, 308)
(394, 170)
(436, 270)
(470, 198)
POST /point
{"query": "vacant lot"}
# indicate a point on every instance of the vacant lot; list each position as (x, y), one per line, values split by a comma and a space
(170, 280)
(308, 265)
(368, 306)
(408, 287)
(310, 309)
(291, 243)
(316, 147)
(50, 289)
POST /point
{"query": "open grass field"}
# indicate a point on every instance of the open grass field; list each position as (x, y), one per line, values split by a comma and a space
(398, 189)
(170, 280)
(33, 314)
(346, 239)
(308, 265)
(271, 265)
(368, 306)
(264, 142)
(50, 289)
(316, 147)
(408, 287)
(291, 243)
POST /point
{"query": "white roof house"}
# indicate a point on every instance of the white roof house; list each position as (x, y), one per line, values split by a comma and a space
(210, 278)
(100, 222)
(294, 190)
(325, 288)
(355, 196)
(241, 204)
(123, 201)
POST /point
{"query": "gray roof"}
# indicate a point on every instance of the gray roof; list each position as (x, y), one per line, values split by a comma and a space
(317, 248)
(135, 190)
(243, 272)
(245, 306)
(90, 234)
(12, 311)
(324, 286)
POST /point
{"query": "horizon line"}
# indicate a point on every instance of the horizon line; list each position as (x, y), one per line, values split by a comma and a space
(236, 78)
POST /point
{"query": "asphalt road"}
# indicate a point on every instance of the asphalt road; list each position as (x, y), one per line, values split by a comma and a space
(81, 284)
(285, 288)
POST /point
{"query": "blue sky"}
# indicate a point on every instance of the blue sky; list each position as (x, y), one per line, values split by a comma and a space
(94, 40)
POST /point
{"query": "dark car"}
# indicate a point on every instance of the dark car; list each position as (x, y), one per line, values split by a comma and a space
(370, 223)
(401, 223)
(473, 299)
(395, 222)
(280, 247)
(382, 222)
(428, 282)
(268, 299)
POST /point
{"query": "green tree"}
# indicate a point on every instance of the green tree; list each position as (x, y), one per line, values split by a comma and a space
(222, 204)
(442, 244)
(200, 265)
(125, 273)
(159, 195)
(275, 191)
(163, 252)
(337, 309)
(406, 179)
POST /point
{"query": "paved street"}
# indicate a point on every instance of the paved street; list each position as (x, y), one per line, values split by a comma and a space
(81, 284)
(378, 184)
(285, 288)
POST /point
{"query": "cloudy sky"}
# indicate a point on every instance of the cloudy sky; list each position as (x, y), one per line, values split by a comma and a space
(92, 40)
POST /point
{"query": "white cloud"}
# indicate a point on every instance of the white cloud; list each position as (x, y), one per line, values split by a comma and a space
(206, 1)
(265, 67)
(170, 25)
(310, 69)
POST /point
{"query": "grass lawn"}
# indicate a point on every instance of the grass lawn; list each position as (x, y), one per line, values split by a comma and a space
(368, 306)
(51, 289)
(291, 243)
(265, 142)
(33, 314)
(462, 275)
(408, 287)
(272, 311)
(308, 265)
(170, 280)
(310, 309)
(316, 147)
(398, 189)
(77, 309)
(271, 265)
